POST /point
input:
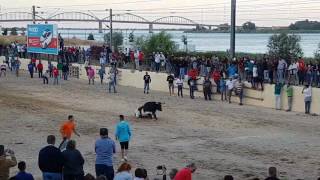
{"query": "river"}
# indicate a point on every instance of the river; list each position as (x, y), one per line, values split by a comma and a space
(245, 42)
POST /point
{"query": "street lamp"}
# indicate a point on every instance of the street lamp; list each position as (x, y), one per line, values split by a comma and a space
(34, 13)
(110, 11)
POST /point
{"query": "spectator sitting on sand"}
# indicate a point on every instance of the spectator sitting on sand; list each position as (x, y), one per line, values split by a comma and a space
(272, 174)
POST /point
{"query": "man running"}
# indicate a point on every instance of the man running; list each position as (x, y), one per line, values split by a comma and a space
(66, 131)
(123, 134)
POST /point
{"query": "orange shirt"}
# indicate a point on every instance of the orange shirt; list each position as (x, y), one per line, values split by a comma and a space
(67, 129)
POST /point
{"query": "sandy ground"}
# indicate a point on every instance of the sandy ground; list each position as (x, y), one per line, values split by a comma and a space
(220, 138)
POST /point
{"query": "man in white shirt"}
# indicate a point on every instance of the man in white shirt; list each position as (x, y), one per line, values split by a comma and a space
(293, 73)
(282, 66)
(157, 60)
(230, 86)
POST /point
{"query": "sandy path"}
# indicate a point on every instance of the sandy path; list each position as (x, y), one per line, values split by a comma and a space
(220, 138)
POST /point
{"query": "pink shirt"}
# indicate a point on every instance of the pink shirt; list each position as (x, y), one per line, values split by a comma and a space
(91, 73)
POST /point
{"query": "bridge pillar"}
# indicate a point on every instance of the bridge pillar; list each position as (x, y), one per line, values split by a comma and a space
(150, 28)
(210, 27)
(100, 26)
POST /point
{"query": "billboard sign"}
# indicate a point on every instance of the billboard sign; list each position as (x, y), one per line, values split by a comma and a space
(43, 38)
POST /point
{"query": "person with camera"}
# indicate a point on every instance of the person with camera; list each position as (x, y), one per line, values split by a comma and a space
(6, 164)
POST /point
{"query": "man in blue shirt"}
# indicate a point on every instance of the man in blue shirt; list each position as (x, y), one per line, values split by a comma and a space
(22, 175)
(123, 135)
(104, 148)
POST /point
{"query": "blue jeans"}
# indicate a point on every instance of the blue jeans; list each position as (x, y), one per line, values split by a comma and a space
(113, 85)
(105, 170)
(181, 73)
(280, 76)
(157, 67)
(146, 87)
(51, 176)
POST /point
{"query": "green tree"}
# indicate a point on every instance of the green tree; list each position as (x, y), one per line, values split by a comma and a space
(249, 26)
(160, 42)
(285, 46)
(184, 40)
(13, 31)
(131, 37)
(140, 42)
(90, 37)
(317, 53)
(5, 32)
(117, 39)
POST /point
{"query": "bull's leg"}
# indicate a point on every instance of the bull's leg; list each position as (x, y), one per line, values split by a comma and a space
(139, 109)
(154, 115)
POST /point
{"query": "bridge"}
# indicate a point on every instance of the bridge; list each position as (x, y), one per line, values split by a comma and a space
(126, 18)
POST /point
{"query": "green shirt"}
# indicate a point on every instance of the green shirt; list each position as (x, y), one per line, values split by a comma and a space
(59, 66)
(289, 91)
(277, 89)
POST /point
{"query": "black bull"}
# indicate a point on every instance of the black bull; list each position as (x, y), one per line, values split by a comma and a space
(151, 107)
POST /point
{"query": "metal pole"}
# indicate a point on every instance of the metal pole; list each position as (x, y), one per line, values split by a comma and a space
(110, 29)
(233, 29)
(34, 14)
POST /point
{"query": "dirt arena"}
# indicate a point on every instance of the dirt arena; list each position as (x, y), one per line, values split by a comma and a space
(220, 138)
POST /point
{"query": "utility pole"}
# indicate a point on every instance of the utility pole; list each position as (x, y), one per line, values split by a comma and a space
(233, 29)
(110, 29)
(34, 14)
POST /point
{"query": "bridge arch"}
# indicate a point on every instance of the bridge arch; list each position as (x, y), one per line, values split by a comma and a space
(127, 17)
(175, 19)
(18, 16)
(72, 16)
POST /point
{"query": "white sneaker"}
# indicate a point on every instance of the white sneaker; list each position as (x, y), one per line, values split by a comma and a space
(126, 158)
(123, 160)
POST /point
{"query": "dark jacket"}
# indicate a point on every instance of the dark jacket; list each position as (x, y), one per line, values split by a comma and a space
(73, 162)
(65, 68)
(50, 159)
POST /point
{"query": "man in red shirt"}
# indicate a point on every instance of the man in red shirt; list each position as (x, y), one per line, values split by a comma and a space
(55, 75)
(40, 69)
(301, 71)
(186, 173)
(216, 76)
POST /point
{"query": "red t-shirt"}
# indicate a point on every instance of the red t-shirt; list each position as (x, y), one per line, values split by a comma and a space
(33, 60)
(193, 73)
(184, 174)
(301, 65)
(55, 72)
(216, 76)
(40, 66)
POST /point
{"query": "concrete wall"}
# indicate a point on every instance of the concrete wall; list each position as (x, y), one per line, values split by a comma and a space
(264, 98)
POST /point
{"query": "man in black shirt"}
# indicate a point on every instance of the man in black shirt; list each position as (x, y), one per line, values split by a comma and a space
(147, 81)
(170, 80)
(207, 88)
(51, 160)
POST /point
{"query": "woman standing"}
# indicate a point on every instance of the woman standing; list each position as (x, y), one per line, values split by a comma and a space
(73, 162)
(307, 91)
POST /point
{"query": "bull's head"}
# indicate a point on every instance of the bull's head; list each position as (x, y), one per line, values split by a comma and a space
(159, 106)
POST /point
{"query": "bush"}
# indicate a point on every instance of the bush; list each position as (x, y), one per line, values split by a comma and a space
(317, 53)
(160, 42)
(285, 46)
(90, 37)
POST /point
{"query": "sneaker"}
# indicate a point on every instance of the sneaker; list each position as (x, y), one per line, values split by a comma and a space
(125, 158)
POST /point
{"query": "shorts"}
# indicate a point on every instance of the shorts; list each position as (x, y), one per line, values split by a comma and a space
(124, 145)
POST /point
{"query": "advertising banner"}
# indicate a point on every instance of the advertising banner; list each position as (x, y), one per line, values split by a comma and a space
(42, 38)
